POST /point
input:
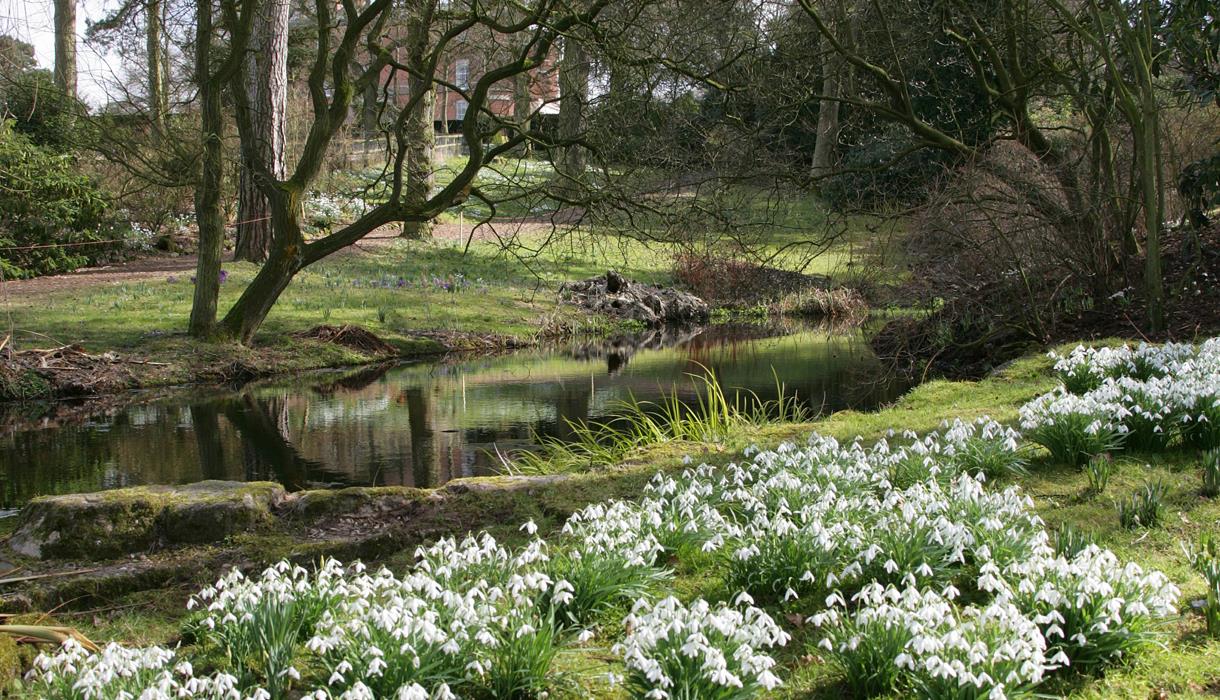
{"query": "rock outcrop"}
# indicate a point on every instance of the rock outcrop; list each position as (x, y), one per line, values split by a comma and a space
(652, 305)
(113, 523)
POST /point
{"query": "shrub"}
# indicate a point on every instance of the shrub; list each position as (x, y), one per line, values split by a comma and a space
(1143, 508)
(39, 110)
(882, 170)
(713, 279)
(45, 202)
(697, 651)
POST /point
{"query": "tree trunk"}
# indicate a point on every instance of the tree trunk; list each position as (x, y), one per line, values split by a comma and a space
(573, 94)
(157, 99)
(522, 106)
(419, 166)
(267, 90)
(420, 132)
(247, 314)
(1148, 146)
(368, 110)
(208, 215)
(828, 118)
(65, 47)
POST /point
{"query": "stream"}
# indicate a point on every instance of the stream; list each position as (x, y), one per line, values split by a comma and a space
(421, 423)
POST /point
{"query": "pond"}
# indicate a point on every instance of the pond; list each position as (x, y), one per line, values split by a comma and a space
(420, 424)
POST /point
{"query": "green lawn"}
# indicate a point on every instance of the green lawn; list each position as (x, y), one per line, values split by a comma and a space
(503, 288)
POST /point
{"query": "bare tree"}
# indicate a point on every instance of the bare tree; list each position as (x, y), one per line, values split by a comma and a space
(1015, 50)
(332, 86)
(213, 70)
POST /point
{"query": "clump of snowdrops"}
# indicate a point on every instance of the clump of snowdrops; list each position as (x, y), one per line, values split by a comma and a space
(1150, 397)
(674, 650)
(919, 575)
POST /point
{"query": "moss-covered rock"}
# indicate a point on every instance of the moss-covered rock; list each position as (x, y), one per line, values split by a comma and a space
(356, 501)
(209, 511)
(125, 521)
(11, 663)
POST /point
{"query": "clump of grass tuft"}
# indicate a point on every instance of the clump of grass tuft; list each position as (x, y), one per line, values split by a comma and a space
(712, 418)
(1143, 508)
(841, 303)
(1076, 438)
(1211, 473)
(1206, 560)
(1099, 469)
(1070, 541)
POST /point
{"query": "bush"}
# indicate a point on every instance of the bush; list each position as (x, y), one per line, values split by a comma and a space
(876, 173)
(713, 278)
(38, 109)
(45, 203)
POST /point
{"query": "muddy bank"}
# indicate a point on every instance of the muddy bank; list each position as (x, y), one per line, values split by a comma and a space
(74, 372)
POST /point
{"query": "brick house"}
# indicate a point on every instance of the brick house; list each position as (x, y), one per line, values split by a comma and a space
(464, 63)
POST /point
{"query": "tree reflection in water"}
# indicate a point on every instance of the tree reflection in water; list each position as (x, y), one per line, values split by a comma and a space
(419, 424)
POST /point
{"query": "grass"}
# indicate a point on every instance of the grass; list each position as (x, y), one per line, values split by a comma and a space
(499, 290)
(712, 418)
(504, 290)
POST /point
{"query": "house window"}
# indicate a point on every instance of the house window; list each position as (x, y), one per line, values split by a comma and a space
(462, 74)
(459, 110)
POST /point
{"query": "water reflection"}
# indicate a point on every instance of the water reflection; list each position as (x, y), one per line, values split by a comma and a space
(421, 424)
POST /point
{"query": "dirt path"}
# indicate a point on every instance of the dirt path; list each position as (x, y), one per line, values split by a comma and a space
(161, 266)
